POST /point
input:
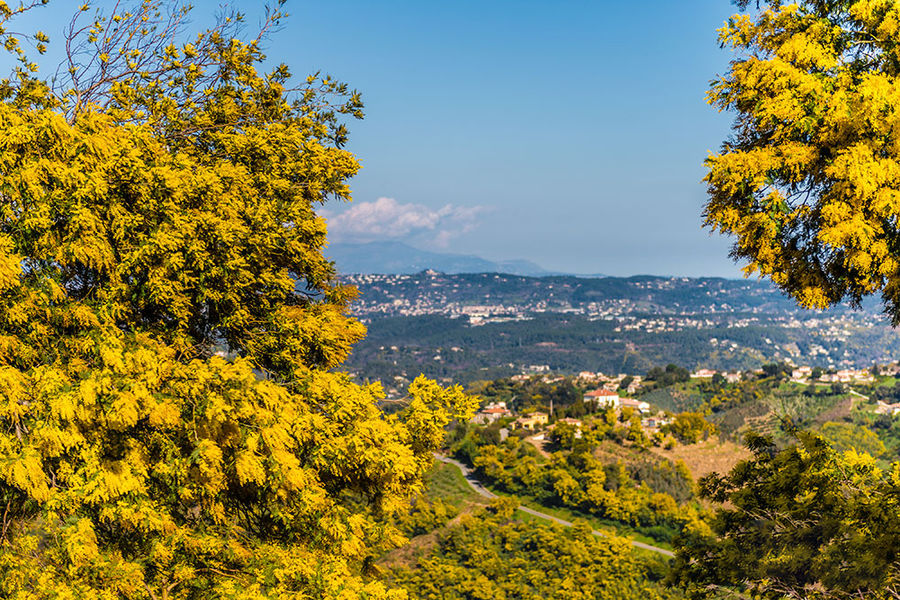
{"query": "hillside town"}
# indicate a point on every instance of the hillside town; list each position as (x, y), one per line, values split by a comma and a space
(727, 323)
(622, 393)
(493, 297)
(537, 422)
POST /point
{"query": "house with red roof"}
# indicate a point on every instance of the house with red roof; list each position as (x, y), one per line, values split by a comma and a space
(491, 413)
(603, 397)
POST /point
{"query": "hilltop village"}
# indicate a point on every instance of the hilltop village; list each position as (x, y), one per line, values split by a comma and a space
(533, 404)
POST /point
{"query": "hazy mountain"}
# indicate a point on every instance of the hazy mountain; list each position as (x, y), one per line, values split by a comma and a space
(399, 258)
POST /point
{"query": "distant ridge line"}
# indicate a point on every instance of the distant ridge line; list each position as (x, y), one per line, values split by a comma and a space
(397, 258)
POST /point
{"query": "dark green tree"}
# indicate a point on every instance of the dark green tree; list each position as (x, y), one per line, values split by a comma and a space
(805, 522)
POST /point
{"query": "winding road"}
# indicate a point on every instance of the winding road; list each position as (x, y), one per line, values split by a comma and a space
(483, 491)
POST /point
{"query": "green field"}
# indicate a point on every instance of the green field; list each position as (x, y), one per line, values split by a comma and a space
(446, 482)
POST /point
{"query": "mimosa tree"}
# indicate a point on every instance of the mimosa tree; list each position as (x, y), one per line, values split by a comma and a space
(809, 185)
(158, 205)
(809, 182)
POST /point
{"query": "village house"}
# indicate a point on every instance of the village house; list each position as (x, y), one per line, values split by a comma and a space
(801, 374)
(635, 385)
(863, 376)
(848, 376)
(491, 413)
(650, 423)
(655, 422)
(702, 374)
(532, 421)
(603, 397)
(890, 370)
(732, 376)
(637, 405)
(887, 409)
(844, 375)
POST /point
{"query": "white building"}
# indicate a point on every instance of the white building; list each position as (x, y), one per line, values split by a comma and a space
(637, 405)
(603, 397)
(703, 374)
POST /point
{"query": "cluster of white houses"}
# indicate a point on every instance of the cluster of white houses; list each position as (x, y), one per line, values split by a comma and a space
(607, 395)
(611, 382)
(730, 376)
(495, 411)
(883, 408)
(805, 375)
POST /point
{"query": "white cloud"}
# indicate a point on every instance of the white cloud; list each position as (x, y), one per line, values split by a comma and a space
(388, 219)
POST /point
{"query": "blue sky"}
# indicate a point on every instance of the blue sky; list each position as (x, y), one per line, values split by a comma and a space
(569, 133)
(579, 128)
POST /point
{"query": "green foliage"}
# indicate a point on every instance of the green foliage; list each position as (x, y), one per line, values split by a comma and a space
(665, 477)
(562, 436)
(886, 427)
(489, 557)
(669, 375)
(689, 427)
(446, 483)
(778, 371)
(887, 394)
(424, 516)
(734, 395)
(404, 345)
(849, 436)
(637, 490)
(532, 392)
(806, 187)
(803, 522)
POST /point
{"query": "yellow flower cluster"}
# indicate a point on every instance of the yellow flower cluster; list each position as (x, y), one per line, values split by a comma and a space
(810, 183)
(144, 239)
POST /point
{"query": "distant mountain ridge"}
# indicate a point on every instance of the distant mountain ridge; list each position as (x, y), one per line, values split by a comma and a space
(402, 259)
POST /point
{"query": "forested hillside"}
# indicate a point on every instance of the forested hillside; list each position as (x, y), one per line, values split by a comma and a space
(477, 326)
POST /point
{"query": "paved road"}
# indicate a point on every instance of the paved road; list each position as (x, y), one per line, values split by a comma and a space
(483, 491)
